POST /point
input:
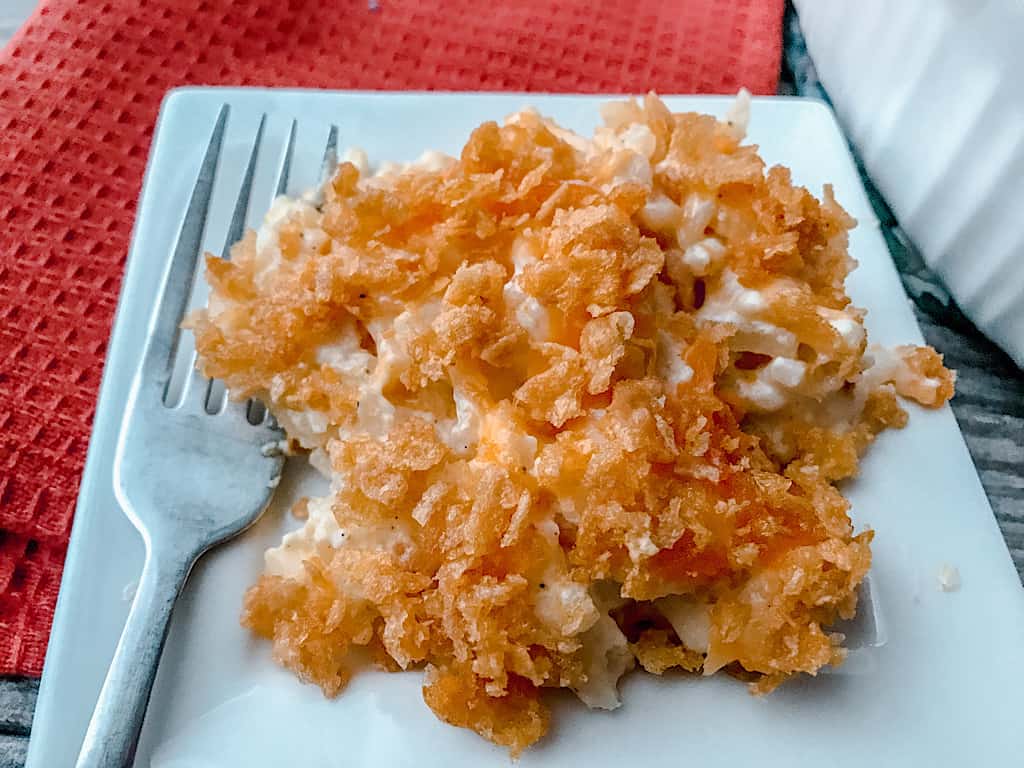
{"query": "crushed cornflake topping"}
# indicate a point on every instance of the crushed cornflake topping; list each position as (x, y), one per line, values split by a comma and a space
(300, 509)
(583, 402)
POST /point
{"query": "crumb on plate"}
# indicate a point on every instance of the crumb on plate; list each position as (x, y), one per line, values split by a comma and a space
(948, 578)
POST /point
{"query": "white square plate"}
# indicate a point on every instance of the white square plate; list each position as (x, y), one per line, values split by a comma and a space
(947, 688)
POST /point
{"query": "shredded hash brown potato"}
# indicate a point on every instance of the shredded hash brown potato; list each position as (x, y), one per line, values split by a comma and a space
(583, 403)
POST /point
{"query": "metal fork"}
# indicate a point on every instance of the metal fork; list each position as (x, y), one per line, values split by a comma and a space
(188, 474)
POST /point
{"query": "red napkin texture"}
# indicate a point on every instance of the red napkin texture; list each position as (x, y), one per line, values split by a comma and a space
(80, 87)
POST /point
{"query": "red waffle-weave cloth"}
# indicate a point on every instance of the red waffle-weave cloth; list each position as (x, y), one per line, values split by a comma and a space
(80, 86)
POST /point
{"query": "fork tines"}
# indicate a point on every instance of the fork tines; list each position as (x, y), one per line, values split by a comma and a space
(179, 280)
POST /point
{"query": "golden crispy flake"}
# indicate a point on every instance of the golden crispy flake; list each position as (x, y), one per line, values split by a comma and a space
(657, 653)
(515, 720)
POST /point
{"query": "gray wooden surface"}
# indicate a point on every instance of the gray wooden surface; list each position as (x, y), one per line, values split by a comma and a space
(17, 701)
(989, 405)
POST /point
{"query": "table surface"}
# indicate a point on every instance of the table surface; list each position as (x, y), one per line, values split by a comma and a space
(989, 404)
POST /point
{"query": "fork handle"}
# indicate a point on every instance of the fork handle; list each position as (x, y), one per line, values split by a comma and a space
(113, 732)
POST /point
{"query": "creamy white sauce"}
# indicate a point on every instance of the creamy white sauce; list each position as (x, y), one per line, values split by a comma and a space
(762, 395)
(638, 138)
(737, 118)
(605, 652)
(391, 336)
(461, 433)
(321, 535)
(528, 311)
(773, 386)
(309, 427)
(375, 413)
(530, 314)
(511, 445)
(689, 617)
(268, 236)
(732, 302)
(849, 328)
(883, 365)
(660, 214)
(703, 255)
(358, 158)
(565, 605)
(318, 535)
(785, 372)
(672, 369)
(624, 153)
(346, 355)
(640, 545)
(697, 212)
